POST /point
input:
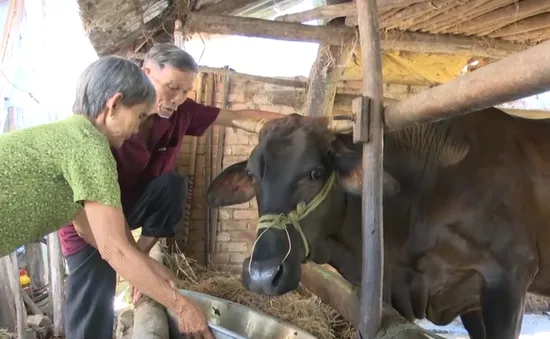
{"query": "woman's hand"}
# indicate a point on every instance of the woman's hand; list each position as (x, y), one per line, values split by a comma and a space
(192, 322)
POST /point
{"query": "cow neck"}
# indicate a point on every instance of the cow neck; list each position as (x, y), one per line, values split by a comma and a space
(281, 221)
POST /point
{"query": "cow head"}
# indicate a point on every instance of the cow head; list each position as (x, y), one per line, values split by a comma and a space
(300, 173)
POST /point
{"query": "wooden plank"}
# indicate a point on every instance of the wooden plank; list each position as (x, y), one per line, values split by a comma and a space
(369, 129)
(150, 319)
(521, 75)
(57, 283)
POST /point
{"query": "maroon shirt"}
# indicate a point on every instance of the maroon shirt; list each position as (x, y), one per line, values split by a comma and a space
(137, 165)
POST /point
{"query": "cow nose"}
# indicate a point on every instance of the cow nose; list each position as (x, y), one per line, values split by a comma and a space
(264, 277)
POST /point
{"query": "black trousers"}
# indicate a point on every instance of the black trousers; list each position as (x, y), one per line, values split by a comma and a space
(91, 284)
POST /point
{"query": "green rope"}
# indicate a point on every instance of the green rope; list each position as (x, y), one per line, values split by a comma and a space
(280, 221)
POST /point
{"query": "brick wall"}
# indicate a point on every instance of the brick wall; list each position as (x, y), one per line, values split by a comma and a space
(237, 224)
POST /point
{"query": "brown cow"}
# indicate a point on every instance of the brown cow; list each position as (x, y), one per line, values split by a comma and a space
(466, 213)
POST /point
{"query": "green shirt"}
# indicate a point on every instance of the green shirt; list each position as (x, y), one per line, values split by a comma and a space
(46, 172)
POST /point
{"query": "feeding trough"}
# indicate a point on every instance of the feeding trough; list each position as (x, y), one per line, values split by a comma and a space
(229, 320)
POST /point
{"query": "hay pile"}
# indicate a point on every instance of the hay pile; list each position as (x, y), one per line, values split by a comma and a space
(300, 308)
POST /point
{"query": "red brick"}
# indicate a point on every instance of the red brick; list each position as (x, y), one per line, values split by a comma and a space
(244, 205)
(237, 137)
(245, 214)
(233, 159)
(253, 139)
(221, 258)
(241, 150)
(237, 258)
(230, 225)
(225, 213)
(223, 236)
(233, 247)
(248, 235)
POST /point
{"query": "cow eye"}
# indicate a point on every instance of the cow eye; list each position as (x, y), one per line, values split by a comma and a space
(316, 174)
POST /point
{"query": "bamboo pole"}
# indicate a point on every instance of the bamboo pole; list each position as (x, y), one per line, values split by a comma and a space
(521, 75)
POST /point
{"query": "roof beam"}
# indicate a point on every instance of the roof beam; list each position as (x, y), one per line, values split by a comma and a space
(390, 40)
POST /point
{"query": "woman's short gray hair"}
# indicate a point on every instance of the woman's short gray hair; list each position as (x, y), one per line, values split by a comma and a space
(106, 77)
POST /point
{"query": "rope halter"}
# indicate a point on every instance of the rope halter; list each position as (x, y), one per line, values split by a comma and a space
(280, 221)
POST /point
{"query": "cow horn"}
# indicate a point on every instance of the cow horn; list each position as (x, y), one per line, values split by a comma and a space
(341, 126)
(249, 125)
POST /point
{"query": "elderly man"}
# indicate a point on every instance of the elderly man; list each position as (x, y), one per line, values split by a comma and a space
(152, 194)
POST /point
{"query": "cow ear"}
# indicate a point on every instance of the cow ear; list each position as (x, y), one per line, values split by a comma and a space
(231, 187)
(347, 162)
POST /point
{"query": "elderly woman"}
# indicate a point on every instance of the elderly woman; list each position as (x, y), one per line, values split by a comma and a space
(64, 171)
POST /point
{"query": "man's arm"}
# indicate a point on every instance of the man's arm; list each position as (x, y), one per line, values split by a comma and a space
(251, 119)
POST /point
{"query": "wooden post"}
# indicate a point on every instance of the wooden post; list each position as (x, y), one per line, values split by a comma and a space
(57, 282)
(8, 318)
(369, 129)
(150, 319)
(210, 100)
(520, 75)
(35, 265)
(219, 156)
(21, 313)
(324, 77)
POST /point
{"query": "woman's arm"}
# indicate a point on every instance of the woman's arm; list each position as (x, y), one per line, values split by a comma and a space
(148, 276)
(82, 227)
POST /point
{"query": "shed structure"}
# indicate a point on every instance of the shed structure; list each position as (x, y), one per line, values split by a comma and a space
(427, 47)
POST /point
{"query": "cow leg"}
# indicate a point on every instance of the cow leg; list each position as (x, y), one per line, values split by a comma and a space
(502, 307)
(473, 323)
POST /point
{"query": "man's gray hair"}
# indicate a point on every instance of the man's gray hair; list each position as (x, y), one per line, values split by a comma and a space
(170, 54)
(106, 77)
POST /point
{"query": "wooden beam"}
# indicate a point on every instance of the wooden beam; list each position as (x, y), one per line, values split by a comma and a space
(324, 77)
(447, 44)
(390, 40)
(252, 27)
(324, 13)
(335, 291)
(518, 76)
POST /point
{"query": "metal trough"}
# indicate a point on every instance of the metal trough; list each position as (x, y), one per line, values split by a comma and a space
(229, 320)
